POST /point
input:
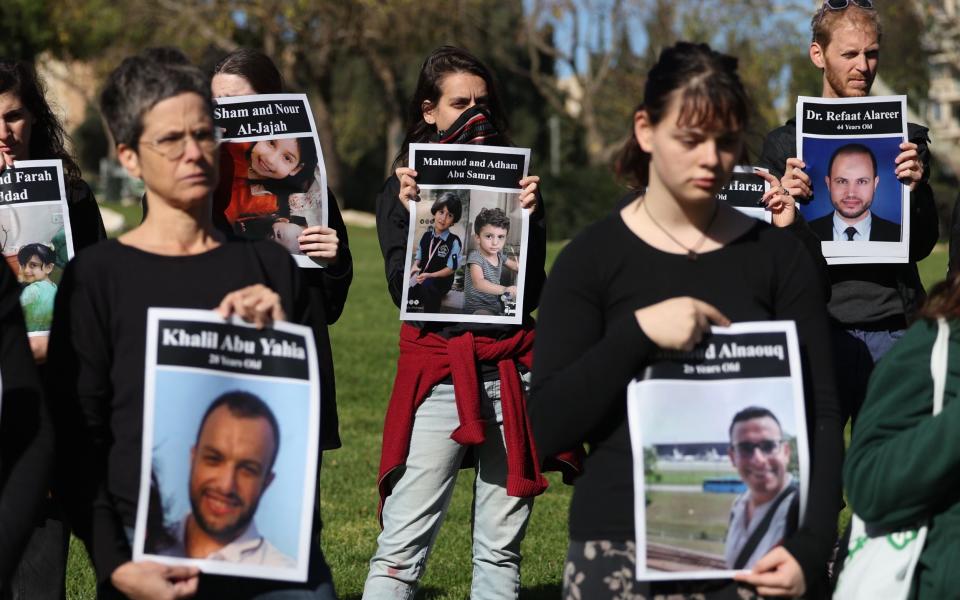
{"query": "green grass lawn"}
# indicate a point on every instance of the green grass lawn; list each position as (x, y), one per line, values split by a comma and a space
(365, 352)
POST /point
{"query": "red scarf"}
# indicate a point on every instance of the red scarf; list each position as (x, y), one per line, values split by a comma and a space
(426, 359)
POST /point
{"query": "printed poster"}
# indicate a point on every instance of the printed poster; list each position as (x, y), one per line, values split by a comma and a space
(35, 235)
(230, 442)
(860, 210)
(745, 192)
(720, 452)
(467, 243)
(273, 182)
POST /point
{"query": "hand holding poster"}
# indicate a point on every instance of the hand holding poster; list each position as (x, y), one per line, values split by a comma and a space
(860, 210)
(719, 443)
(467, 241)
(230, 443)
(745, 192)
(272, 169)
(35, 235)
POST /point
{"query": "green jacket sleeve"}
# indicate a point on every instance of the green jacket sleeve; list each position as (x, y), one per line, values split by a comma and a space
(902, 459)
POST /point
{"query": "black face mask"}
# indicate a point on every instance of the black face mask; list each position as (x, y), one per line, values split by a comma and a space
(474, 126)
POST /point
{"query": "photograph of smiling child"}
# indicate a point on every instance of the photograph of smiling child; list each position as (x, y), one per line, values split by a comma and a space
(36, 298)
(266, 174)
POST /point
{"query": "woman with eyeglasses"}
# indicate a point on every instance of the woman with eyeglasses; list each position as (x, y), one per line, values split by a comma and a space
(676, 261)
(161, 118)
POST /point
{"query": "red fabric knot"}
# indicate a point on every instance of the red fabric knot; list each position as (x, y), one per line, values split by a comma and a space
(427, 359)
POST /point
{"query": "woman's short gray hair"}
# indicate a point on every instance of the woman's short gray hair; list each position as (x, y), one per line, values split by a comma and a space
(137, 85)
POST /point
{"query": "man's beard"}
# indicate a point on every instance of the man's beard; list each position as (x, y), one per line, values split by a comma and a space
(854, 213)
(227, 533)
(838, 83)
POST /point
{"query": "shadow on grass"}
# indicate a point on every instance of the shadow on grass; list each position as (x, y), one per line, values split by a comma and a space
(423, 593)
(547, 591)
(540, 592)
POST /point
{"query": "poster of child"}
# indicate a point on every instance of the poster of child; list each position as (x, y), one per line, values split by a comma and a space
(35, 236)
(273, 182)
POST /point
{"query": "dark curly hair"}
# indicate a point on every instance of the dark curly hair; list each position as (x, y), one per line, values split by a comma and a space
(47, 137)
(491, 216)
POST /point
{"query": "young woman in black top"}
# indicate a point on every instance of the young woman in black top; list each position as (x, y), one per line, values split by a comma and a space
(658, 274)
(161, 118)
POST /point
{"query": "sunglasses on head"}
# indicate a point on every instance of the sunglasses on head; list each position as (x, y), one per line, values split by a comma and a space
(766, 447)
(840, 5)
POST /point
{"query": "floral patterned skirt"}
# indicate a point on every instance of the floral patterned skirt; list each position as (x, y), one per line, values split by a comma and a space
(605, 570)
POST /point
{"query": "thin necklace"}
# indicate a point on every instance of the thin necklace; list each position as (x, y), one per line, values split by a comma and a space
(691, 250)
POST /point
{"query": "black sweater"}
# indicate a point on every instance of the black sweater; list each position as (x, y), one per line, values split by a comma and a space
(97, 350)
(589, 346)
(326, 292)
(26, 442)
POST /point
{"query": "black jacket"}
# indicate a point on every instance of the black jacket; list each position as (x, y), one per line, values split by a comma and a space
(781, 144)
(26, 438)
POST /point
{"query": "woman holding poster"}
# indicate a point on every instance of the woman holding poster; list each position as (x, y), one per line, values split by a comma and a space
(161, 117)
(457, 386)
(676, 261)
(31, 131)
(244, 72)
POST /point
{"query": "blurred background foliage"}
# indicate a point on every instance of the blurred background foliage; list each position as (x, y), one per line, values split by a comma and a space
(572, 70)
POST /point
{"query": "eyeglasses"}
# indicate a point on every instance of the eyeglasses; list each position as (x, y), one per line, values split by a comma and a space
(173, 146)
(766, 447)
(840, 5)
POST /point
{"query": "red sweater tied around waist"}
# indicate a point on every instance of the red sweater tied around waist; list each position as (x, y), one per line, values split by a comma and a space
(427, 359)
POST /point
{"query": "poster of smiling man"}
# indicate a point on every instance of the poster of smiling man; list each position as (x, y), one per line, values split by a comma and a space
(273, 183)
(35, 235)
(859, 208)
(719, 443)
(230, 445)
(467, 241)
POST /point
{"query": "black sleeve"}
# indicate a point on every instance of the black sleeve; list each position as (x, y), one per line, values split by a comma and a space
(329, 286)
(26, 442)
(81, 355)
(800, 302)
(778, 146)
(582, 363)
(954, 263)
(86, 224)
(924, 220)
(812, 243)
(392, 228)
(536, 257)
